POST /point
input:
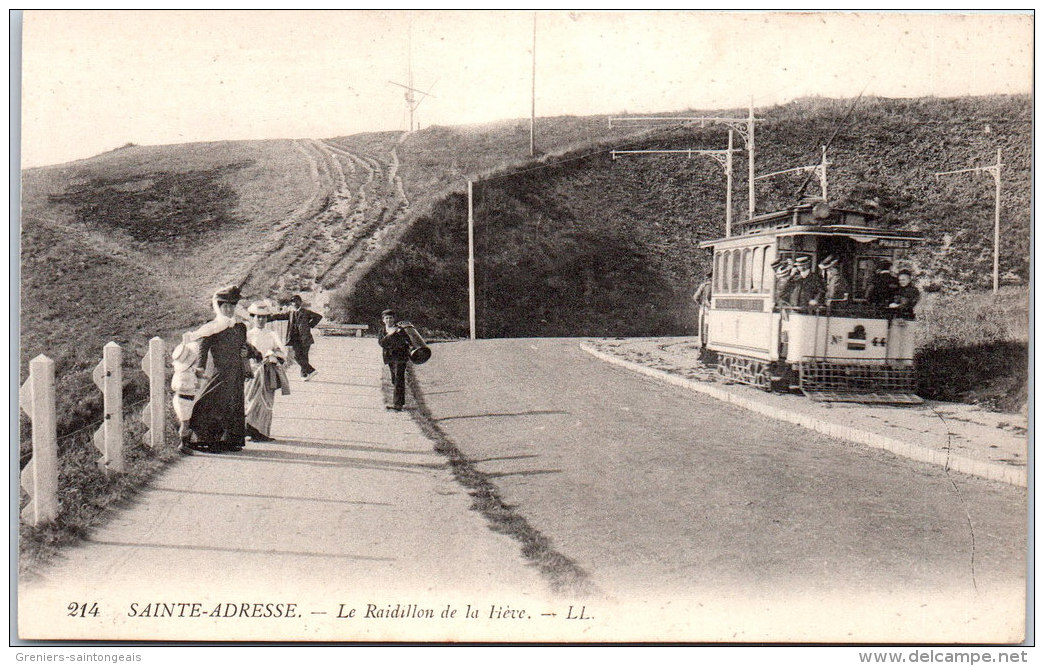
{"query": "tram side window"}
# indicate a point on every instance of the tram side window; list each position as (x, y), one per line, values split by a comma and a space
(745, 275)
(723, 275)
(755, 269)
(726, 268)
(768, 277)
(737, 269)
(717, 272)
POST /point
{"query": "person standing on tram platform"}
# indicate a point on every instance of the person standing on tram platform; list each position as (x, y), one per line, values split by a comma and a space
(882, 285)
(808, 287)
(837, 288)
(906, 294)
(783, 267)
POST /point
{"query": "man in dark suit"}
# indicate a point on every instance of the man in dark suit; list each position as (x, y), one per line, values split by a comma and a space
(396, 352)
(882, 285)
(300, 322)
(807, 288)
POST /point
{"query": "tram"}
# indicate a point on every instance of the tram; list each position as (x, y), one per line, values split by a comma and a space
(846, 349)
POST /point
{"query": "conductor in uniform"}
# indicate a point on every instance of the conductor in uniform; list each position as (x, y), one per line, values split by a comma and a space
(807, 288)
(396, 351)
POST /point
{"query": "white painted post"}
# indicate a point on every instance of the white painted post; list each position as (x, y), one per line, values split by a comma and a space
(155, 414)
(108, 376)
(40, 476)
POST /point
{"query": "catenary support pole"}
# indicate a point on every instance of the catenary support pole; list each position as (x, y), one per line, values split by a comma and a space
(728, 189)
(750, 161)
(996, 224)
(471, 260)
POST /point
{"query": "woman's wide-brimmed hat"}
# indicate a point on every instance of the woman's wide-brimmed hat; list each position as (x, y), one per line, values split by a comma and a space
(229, 294)
(262, 308)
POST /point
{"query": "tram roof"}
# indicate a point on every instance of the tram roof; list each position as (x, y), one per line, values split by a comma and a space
(815, 219)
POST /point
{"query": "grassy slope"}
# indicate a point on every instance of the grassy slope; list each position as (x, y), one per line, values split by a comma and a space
(122, 247)
(91, 273)
(974, 348)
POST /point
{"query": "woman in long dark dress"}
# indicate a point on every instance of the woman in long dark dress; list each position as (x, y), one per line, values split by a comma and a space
(217, 422)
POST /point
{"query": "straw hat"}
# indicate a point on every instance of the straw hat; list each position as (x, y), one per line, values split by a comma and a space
(263, 308)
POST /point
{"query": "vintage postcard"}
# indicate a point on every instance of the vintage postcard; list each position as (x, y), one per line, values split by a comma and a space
(524, 326)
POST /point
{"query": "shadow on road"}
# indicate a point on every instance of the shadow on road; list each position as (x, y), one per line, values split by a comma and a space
(525, 472)
(277, 497)
(256, 551)
(257, 455)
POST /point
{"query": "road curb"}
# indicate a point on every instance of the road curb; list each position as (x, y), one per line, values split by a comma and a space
(987, 470)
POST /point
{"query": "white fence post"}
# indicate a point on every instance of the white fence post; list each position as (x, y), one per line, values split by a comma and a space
(154, 416)
(40, 476)
(108, 376)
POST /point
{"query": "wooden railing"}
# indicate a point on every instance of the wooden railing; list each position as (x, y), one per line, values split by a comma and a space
(37, 399)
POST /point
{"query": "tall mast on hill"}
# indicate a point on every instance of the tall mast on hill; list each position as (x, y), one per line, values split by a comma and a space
(412, 101)
(532, 107)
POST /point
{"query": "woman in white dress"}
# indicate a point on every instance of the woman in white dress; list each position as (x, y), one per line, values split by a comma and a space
(268, 373)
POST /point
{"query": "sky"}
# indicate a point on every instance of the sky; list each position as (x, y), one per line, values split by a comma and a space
(96, 80)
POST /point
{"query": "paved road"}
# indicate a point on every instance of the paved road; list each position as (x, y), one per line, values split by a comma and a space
(350, 505)
(659, 495)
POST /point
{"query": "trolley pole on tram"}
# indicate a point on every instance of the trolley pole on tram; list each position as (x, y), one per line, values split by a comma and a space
(994, 171)
(817, 170)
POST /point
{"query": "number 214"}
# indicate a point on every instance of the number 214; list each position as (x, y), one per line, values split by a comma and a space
(83, 610)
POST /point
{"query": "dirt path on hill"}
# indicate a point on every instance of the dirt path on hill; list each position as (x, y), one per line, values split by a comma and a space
(358, 199)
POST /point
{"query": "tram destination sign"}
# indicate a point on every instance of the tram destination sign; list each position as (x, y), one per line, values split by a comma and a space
(894, 243)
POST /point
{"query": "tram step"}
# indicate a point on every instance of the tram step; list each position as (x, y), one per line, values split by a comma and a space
(880, 398)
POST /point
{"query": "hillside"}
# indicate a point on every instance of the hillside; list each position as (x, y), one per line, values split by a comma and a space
(131, 243)
(586, 245)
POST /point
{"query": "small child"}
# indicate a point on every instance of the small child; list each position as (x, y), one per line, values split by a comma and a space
(185, 384)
